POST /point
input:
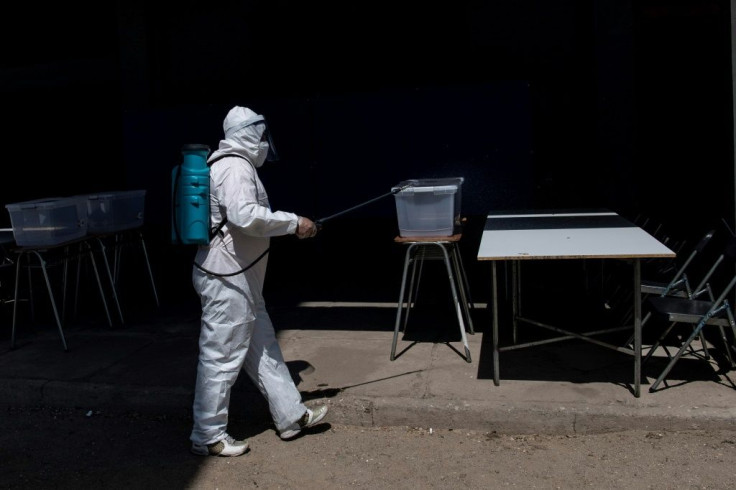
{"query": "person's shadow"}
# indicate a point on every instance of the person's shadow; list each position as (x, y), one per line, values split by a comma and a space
(297, 368)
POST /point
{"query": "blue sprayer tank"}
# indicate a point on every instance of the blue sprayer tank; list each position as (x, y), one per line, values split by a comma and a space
(190, 191)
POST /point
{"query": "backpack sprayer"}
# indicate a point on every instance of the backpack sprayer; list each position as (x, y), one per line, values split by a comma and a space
(190, 203)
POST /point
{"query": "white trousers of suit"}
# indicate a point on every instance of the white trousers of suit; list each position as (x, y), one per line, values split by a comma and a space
(237, 333)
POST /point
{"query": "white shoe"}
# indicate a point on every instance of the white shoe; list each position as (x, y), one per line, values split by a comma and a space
(310, 418)
(225, 447)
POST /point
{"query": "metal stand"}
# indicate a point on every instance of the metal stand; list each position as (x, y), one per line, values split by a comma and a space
(437, 248)
(84, 248)
(116, 242)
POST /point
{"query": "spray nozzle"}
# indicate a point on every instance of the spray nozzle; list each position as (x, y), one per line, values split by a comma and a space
(399, 189)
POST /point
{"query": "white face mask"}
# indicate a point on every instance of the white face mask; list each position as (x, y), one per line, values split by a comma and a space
(262, 153)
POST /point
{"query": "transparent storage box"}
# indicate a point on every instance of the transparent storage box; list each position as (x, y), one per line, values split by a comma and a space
(428, 207)
(114, 211)
(48, 221)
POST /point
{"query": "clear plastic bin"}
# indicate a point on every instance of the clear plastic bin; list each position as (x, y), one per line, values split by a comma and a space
(49, 221)
(114, 211)
(428, 207)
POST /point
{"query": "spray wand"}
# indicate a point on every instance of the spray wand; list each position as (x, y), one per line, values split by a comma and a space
(318, 223)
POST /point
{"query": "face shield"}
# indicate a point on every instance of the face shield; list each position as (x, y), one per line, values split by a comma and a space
(272, 155)
(265, 144)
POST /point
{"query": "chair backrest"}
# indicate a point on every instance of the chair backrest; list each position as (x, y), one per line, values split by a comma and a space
(704, 241)
(727, 290)
(681, 270)
(726, 262)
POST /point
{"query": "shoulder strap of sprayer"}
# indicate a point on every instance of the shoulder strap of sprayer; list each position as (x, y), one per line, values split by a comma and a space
(214, 231)
(217, 230)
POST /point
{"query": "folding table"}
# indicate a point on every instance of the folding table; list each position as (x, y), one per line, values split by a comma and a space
(597, 234)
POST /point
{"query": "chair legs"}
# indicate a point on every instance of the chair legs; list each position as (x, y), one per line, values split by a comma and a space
(676, 357)
(687, 344)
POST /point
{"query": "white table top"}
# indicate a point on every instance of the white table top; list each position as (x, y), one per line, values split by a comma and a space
(566, 235)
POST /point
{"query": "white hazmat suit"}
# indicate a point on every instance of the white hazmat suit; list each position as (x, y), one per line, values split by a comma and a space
(236, 331)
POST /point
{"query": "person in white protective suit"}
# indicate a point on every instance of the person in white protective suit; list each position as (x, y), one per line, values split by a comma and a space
(236, 331)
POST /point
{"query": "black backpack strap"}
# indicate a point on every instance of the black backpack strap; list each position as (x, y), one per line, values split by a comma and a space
(210, 162)
(218, 229)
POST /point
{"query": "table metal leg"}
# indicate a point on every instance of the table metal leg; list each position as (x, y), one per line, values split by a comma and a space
(637, 327)
(494, 302)
(515, 298)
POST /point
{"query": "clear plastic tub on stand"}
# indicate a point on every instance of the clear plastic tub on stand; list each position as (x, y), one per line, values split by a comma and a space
(428, 207)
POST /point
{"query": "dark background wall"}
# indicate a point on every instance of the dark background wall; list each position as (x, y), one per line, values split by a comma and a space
(537, 103)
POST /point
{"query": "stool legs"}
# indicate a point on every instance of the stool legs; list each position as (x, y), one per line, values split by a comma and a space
(103, 252)
(464, 287)
(148, 265)
(401, 302)
(416, 276)
(458, 307)
(458, 286)
(51, 297)
(117, 260)
(99, 283)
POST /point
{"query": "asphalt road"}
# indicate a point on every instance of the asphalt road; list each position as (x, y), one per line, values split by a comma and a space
(74, 448)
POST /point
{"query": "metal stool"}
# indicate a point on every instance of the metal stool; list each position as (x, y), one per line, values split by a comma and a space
(117, 241)
(51, 255)
(435, 248)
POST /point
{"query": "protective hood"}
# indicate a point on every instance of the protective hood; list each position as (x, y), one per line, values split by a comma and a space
(246, 135)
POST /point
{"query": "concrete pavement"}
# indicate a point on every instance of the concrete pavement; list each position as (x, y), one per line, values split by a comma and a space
(340, 355)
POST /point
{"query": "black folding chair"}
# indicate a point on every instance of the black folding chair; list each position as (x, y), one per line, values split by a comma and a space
(700, 312)
(674, 280)
(678, 284)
